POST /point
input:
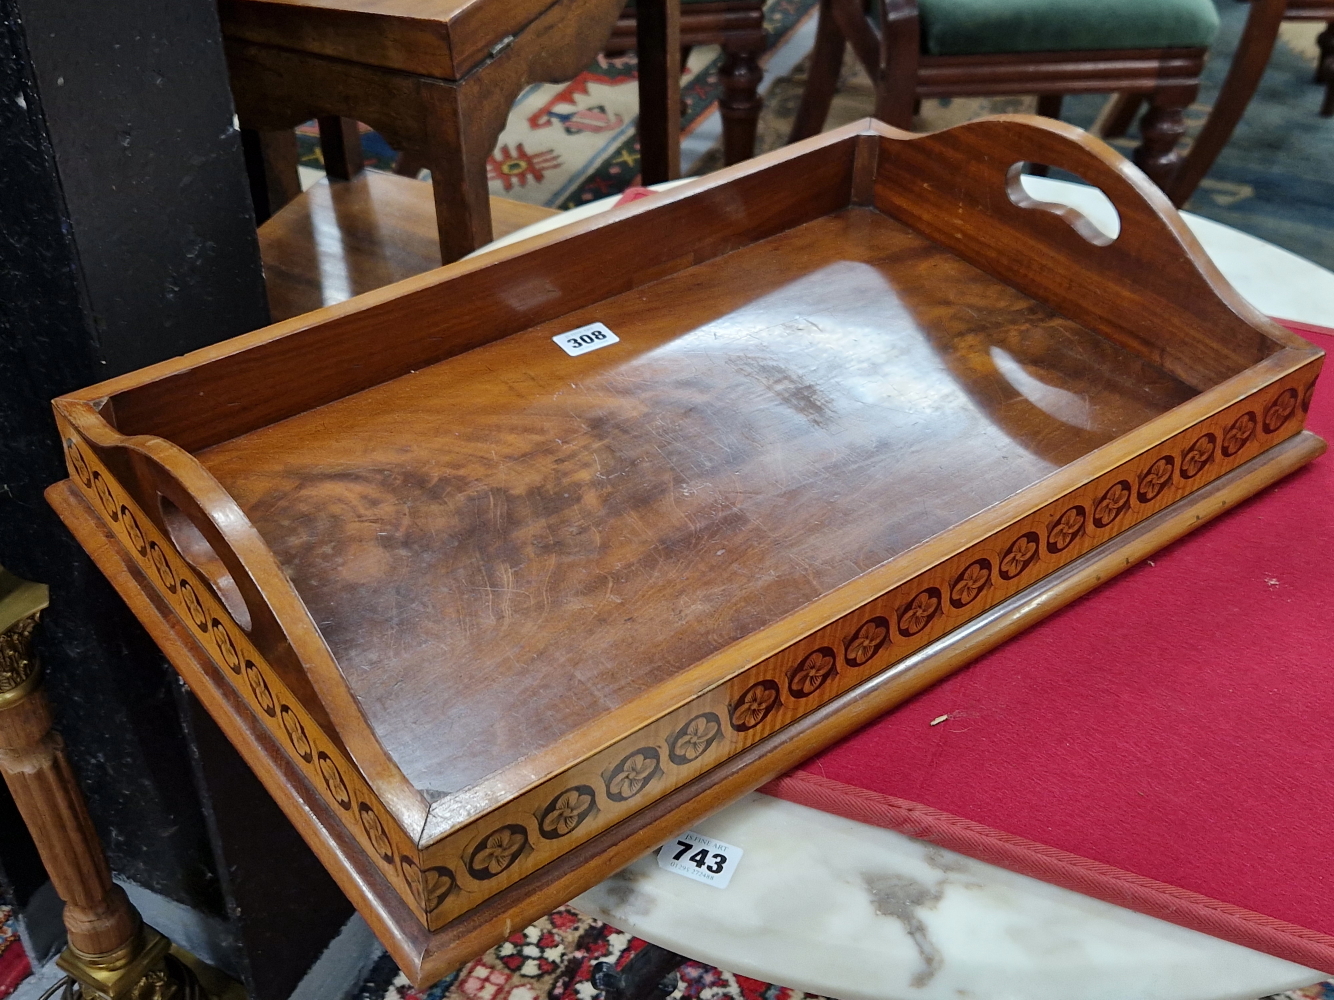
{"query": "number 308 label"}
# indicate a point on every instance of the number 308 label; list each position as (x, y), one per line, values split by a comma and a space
(701, 858)
(585, 339)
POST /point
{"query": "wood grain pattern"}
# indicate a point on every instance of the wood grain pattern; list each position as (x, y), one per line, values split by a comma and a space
(336, 241)
(663, 498)
(865, 391)
(426, 957)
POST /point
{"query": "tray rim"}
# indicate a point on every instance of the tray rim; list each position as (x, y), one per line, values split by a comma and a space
(426, 955)
(424, 825)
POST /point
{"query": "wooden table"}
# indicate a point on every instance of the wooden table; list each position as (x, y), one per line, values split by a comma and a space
(436, 79)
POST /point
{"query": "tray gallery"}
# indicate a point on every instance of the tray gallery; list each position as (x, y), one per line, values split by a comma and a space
(497, 574)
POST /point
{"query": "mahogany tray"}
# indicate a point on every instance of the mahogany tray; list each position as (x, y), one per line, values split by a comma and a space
(489, 619)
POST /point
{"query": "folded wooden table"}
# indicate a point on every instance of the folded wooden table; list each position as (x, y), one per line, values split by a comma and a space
(500, 575)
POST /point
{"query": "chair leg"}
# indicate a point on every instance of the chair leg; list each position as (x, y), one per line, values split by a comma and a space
(409, 164)
(1243, 76)
(340, 145)
(1325, 63)
(1049, 105)
(1121, 116)
(1162, 128)
(740, 103)
(459, 141)
(658, 41)
(271, 165)
(826, 60)
(1324, 70)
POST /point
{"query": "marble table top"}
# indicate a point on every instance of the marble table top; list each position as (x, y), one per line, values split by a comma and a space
(839, 908)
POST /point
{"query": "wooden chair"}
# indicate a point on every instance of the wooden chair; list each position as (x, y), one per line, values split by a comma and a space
(736, 25)
(1248, 65)
(436, 78)
(915, 49)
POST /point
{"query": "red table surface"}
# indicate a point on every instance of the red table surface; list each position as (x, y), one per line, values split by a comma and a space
(1166, 742)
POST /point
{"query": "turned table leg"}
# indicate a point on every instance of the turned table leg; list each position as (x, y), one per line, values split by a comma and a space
(740, 103)
(1162, 129)
(111, 953)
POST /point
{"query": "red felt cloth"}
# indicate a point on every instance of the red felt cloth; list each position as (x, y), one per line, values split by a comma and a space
(1166, 742)
(14, 967)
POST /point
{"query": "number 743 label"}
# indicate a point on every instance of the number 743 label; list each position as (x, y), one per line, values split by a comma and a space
(701, 858)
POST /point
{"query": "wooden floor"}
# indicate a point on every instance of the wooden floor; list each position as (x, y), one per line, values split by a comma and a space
(342, 238)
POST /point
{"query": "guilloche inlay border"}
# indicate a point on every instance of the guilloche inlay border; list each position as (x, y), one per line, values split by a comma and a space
(451, 876)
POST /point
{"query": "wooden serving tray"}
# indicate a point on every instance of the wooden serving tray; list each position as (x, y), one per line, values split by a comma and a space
(488, 619)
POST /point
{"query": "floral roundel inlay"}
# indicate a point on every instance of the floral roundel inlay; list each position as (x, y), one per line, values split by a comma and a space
(1019, 556)
(333, 780)
(375, 832)
(1276, 414)
(1068, 527)
(1239, 434)
(260, 688)
(566, 811)
(1155, 479)
(226, 648)
(193, 606)
(1114, 502)
(163, 566)
(1198, 455)
(919, 612)
(635, 771)
(694, 739)
(755, 705)
(296, 732)
(428, 886)
(104, 494)
(869, 639)
(498, 851)
(970, 582)
(809, 675)
(1307, 395)
(133, 531)
(80, 464)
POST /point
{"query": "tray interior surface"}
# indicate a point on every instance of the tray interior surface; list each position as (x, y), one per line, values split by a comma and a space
(506, 545)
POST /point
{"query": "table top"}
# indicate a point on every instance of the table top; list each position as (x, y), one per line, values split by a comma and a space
(439, 38)
(808, 905)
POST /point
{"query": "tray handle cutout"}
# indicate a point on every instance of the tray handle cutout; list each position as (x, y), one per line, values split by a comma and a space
(201, 534)
(1152, 289)
(196, 549)
(1085, 225)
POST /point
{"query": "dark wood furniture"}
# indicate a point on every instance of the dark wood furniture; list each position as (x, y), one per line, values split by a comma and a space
(490, 620)
(342, 238)
(1248, 66)
(889, 47)
(436, 80)
(736, 25)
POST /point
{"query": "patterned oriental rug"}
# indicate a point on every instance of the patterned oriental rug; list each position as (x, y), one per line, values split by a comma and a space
(554, 960)
(14, 967)
(572, 143)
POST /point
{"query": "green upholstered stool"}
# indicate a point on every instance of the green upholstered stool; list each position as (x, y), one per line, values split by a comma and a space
(914, 49)
(736, 25)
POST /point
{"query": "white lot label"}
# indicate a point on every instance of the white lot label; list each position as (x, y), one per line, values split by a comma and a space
(701, 858)
(585, 339)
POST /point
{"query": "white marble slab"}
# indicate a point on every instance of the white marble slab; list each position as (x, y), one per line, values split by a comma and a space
(830, 906)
